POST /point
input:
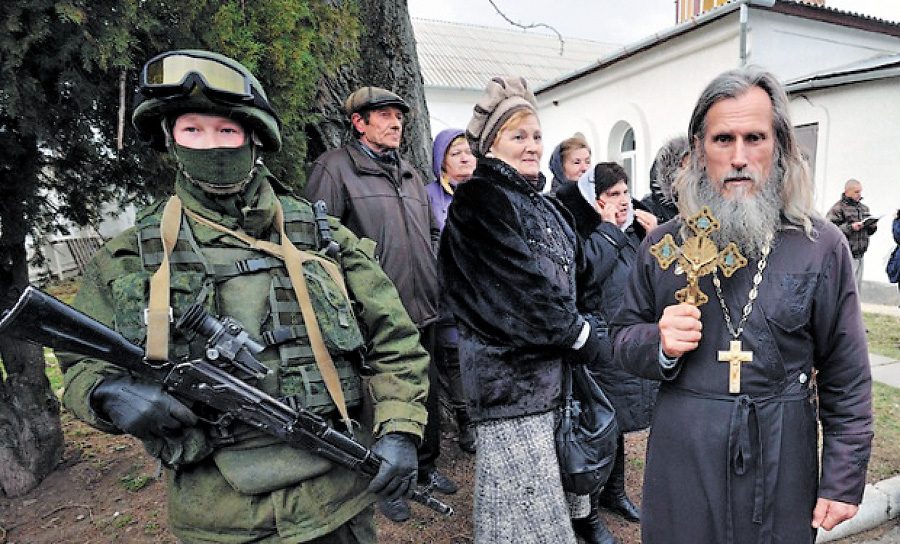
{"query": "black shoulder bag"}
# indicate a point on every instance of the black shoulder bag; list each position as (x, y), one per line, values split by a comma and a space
(586, 433)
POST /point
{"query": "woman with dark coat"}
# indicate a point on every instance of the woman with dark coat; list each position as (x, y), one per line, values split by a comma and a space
(669, 161)
(612, 228)
(509, 262)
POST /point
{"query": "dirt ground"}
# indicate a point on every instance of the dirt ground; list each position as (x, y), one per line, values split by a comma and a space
(107, 490)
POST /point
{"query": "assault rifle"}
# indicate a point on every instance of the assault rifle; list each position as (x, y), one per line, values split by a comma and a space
(42, 319)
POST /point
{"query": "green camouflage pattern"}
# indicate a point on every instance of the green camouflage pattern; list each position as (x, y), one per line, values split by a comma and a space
(333, 311)
(313, 497)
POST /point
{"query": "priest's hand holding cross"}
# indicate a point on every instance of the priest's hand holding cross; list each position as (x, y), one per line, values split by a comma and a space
(680, 327)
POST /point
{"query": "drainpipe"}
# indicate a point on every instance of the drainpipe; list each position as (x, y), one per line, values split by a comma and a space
(745, 13)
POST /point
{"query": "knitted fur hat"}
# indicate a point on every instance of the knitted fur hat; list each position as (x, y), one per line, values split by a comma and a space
(502, 97)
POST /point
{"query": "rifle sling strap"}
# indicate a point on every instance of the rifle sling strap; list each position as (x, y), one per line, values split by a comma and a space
(287, 252)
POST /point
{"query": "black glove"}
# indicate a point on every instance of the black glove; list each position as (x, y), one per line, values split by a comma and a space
(140, 408)
(399, 466)
(597, 350)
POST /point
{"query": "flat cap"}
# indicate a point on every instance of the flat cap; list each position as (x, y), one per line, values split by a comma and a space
(371, 98)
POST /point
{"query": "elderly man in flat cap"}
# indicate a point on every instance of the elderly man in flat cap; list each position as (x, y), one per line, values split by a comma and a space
(378, 195)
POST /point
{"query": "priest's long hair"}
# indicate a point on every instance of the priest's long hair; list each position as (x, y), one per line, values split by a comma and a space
(796, 190)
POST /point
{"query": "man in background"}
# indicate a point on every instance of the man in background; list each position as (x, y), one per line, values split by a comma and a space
(850, 215)
(379, 195)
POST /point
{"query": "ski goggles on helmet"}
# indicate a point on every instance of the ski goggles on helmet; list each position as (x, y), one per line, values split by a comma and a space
(177, 73)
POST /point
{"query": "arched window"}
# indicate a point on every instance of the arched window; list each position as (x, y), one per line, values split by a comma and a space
(629, 153)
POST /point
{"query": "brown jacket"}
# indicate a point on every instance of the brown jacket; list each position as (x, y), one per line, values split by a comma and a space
(389, 205)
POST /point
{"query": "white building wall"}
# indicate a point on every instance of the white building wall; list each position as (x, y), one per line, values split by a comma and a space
(793, 47)
(856, 122)
(652, 92)
(450, 108)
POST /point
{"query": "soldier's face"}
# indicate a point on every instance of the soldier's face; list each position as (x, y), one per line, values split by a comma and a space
(382, 130)
(739, 145)
(202, 131)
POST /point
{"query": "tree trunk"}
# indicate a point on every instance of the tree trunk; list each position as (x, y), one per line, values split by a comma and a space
(388, 59)
(31, 439)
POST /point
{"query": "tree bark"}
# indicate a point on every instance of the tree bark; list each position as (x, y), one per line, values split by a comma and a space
(31, 439)
(388, 59)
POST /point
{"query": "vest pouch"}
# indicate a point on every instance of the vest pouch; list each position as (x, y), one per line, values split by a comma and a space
(333, 310)
(304, 382)
(131, 292)
(264, 464)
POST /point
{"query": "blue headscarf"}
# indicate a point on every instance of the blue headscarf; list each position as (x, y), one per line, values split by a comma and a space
(556, 166)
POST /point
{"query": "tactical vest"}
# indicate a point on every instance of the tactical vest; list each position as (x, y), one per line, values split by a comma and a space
(254, 288)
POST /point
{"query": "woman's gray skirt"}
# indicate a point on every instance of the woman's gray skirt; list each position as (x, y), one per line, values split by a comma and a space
(519, 497)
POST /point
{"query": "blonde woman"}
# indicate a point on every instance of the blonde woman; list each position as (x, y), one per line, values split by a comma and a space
(508, 266)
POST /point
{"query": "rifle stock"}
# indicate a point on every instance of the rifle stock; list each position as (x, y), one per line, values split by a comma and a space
(42, 319)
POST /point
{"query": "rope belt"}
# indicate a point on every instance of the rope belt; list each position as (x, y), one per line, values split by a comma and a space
(740, 454)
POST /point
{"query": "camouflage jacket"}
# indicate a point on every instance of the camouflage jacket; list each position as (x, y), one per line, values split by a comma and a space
(214, 488)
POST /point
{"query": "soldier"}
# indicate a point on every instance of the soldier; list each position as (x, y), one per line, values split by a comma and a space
(229, 482)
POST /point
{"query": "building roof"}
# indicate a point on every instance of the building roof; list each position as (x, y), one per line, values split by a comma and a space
(461, 56)
(881, 67)
(797, 8)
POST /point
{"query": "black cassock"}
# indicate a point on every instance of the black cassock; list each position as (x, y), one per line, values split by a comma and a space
(743, 467)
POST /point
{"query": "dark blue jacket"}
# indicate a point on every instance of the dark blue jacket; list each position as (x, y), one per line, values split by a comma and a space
(610, 254)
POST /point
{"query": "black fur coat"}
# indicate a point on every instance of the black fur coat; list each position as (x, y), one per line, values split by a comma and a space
(508, 265)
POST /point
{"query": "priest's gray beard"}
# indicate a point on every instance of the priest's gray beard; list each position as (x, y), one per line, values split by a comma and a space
(748, 221)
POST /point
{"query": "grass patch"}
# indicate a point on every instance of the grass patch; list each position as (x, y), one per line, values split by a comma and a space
(883, 334)
(64, 290)
(135, 482)
(53, 371)
(123, 521)
(886, 406)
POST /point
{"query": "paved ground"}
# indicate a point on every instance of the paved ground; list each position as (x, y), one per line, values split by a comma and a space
(881, 501)
(890, 537)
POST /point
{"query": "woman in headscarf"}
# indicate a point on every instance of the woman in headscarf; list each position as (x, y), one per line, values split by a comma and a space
(570, 159)
(453, 163)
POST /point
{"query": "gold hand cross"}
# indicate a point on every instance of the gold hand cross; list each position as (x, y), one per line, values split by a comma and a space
(698, 256)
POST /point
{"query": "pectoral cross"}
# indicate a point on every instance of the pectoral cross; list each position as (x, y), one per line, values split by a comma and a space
(698, 256)
(734, 357)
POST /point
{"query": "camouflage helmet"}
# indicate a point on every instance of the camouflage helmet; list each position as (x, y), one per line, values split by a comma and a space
(194, 81)
(372, 98)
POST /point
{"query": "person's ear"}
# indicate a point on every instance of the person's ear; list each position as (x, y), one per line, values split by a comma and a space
(357, 121)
